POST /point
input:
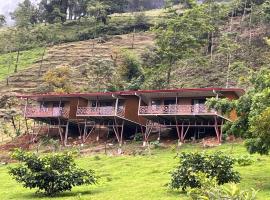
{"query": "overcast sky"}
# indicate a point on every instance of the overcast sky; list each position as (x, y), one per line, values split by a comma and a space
(7, 6)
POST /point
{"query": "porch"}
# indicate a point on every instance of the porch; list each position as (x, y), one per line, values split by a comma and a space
(44, 112)
(101, 111)
(176, 109)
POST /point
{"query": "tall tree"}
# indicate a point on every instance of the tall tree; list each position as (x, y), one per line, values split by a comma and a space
(25, 14)
(228, 47)
(182, 36)
(2, 20)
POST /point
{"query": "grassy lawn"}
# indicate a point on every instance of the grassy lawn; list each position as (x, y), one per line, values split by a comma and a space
(142, 177)
(26, 59)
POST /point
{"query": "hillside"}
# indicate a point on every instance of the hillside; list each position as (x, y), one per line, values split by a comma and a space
(77, 55)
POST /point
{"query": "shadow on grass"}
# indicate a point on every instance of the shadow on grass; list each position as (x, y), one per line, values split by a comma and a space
(35, 195)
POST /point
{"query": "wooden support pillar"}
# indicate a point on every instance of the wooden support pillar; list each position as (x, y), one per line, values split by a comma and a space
(148, 130)
(217, 130)
(99, 128)
(66, 134)
(119, 134)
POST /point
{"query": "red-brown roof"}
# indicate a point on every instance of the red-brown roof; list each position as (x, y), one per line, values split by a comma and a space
(237, 91)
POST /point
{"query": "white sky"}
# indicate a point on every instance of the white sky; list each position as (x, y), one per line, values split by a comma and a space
(7, 6)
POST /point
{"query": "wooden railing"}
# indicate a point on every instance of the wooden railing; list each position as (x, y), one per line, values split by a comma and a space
(101, 111)
(36, 111)
(176, 109)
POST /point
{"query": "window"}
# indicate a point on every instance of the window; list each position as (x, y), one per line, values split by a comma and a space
(170, 102)
(156, 102)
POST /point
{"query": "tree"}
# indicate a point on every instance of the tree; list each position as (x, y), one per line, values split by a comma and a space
(130, 71)
(53, 11)
(25, 14)
(58, 79)
(98, 9)
(51, 174)
(253, 113)
(182, 36)
(217, 165)
(12, 115)
(227, 47)
(2, 20)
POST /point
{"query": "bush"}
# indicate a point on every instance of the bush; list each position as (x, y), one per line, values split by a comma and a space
(51, 174)
(138, 137)
(215, 165)
(211, 190)
(244, 160)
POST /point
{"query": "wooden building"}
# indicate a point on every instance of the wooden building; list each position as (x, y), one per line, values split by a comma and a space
(128, 112)
(184, 110)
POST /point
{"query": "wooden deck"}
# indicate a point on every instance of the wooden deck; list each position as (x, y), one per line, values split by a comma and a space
(176, 110)
(100, 111)
(39, 112)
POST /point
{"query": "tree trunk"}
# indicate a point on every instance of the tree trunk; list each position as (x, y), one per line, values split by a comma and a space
(41, 63)
(250, 28)
(17, 61)
(169, 75)
(228, 69)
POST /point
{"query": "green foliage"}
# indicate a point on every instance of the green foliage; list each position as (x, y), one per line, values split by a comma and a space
(130, 72)
(182, 36)
(25, 14)
(215, 165)
(224, 105)
(155, 144)
(244, 160)
(51, 174)
(58, 80)
(138, 137)
(210, 190)
(2, 20)
(27, 58)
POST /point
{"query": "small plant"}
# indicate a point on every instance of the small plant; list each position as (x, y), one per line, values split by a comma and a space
(155, 144)
(210, 190)
(51, 174)
(138, 137)
(215, 165)
(244, 160)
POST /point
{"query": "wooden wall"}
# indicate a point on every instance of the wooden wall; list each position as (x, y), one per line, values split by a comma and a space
(131, 110)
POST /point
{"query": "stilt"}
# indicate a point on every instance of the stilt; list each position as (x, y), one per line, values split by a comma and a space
(119, 135)
(148, 130)
(66, 134)
(86, 134)
(217, 131)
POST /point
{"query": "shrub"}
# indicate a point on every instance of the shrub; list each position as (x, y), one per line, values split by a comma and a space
(215, 165)
(211, 190)
(155, 144)
(138, 137)
(244, 160)
(51, 174)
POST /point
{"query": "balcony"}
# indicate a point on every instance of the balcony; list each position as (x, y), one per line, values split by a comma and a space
(100, 111)
(175, 110)
(38, 112)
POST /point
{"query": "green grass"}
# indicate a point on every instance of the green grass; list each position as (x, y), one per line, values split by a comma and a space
(141, 177)
(26, 59)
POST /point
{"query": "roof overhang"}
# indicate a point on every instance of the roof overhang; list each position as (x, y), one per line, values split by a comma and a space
(182, 92)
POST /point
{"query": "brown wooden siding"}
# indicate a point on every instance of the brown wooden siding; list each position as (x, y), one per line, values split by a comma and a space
(131, 110)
